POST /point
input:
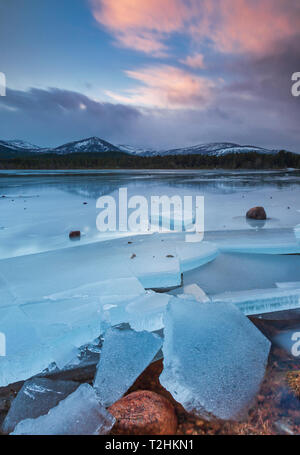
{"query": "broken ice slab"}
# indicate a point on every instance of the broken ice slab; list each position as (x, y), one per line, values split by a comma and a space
(258, 241)
(79, 414)
(125, 355)
(25, 355)
(195, 291)
(38, 334)
(142, 313)
(106, 291)
(154, 264)
(72, 268)
(254, 271)
(289, 285)
(214, 358)
(193, 255)
(36, 398)
(259, 301)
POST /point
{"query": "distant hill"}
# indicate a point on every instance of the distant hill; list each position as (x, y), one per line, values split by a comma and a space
(97, 146)
(90, 145)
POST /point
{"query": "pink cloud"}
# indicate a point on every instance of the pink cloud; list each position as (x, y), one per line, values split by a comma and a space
(141, 24)
(167, 87)
(251, 26)
(234, 26)
(194, 61)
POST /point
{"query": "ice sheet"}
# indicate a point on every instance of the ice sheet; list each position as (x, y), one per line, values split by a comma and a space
(36, 398)
(142, 313)
(124, 356)
(239, 272)
(214, 358)
(79, 414)
(256, 241)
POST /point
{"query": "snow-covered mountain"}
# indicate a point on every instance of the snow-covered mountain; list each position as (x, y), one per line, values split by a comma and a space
(19, 144)
(93, 145)
(89, 145)
(210, 149)
(139, 151)
(217, 149)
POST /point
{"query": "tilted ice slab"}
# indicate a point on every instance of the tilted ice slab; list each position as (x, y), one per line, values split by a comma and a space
(256, 241)
(259, 301)
(79, 414)
(25, 354)
(214, 358)
(154, 261)
(124, 356)
(142, 313)
(36, 398)
(52, 329)
(193, 255)
(289, 285)
(58, 271)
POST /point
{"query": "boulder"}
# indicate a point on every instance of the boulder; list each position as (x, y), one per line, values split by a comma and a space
(257, 213)
(144, 413)
(75, 235)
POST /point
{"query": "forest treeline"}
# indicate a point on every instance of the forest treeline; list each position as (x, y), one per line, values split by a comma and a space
(251, 160)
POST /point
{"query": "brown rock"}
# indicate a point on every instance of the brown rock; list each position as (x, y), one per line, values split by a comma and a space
(257, 213)
(74, 235)
(145, 413)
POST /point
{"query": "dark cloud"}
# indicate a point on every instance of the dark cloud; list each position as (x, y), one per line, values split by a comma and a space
(54, 116)
(255, 109)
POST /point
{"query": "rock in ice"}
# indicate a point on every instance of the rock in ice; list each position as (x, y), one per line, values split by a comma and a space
(214, 358)
(79, 414)
(125, 355)
(36, 398)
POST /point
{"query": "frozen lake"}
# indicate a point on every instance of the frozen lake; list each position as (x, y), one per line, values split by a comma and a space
(40, 208)
(57, 296)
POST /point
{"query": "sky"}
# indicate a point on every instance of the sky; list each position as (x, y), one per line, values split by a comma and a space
(153, 73)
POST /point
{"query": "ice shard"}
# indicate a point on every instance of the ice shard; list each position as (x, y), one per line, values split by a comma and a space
(196, 292)
(125, 355)
(142, 313)
(259, 301)
(36, 398)
(214, 358)
(79, 414)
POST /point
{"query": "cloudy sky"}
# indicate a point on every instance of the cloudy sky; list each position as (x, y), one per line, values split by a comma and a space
(160, 73)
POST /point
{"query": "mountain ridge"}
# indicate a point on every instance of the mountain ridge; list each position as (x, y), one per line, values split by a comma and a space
(96, 145)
